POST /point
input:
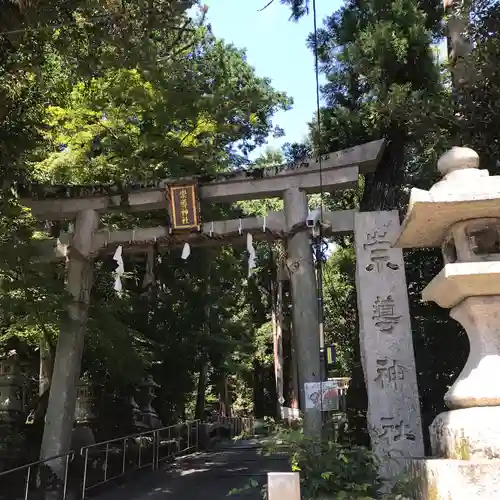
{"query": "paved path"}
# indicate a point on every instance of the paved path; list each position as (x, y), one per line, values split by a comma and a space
(203, 476)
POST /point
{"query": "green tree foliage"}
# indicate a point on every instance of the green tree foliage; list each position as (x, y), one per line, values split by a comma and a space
(383, 80)
(184, 117)
(340, 307)
(269, 158)
(478, 105)
(125, 92)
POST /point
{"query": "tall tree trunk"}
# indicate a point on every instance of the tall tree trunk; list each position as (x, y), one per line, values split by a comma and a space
(294, 366)
(200, 395)
(277, 324)
(258, 391)
(459, 47)
(46, 365)
(203, 363)
(290, 373)
(224, 397)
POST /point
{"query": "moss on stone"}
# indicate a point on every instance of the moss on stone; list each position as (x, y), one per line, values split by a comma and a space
(432, 489)
(462, 450)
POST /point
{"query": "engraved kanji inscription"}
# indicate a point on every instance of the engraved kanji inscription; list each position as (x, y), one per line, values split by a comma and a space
(393, 431)
(389, 373)
(384, 314)
(377, 243)
(183, 198)
(184, 207)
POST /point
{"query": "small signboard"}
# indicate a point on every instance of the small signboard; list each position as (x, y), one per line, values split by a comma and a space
(184, 207)
(322, 396)
(330, 355)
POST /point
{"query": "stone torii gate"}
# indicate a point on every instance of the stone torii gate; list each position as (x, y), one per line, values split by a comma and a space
(385, 333)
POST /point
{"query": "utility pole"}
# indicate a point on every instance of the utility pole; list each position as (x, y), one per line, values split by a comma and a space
(318, 242)
(305, 308)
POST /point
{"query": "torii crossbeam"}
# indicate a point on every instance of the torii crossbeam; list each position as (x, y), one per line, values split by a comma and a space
(340, 170)
(270, 227)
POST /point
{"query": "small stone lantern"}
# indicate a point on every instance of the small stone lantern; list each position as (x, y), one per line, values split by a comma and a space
(10, 390)
(136, 414)
(83, 434)
(461, 215)
(149, 417)
(85, 402)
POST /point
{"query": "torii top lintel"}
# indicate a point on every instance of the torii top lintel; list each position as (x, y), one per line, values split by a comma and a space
(340, 170)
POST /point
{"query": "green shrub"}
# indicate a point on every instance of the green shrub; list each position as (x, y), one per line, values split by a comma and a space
(329, 470)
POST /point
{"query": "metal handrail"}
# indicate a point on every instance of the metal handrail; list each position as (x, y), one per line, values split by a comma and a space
(156, 445)
(182, 443)
(238, 425)
(68, 456)
(177, 440)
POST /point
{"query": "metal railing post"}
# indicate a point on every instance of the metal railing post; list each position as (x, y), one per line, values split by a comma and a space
(65, 486)
(124, 454)
(197, 435)
(106, 455)
(84, 481)
(156, 450)
(27, 488)
(178, 439)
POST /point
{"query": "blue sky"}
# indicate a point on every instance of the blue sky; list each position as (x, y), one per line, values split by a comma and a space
(276, 48)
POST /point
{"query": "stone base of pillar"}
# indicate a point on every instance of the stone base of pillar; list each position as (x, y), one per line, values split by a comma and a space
(439, 479)
(468, 433)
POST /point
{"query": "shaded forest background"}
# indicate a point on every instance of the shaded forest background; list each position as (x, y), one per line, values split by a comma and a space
(101, 91)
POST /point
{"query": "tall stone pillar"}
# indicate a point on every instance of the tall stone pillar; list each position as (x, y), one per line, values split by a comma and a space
(394, 421)
(305, 307)
(68, 359)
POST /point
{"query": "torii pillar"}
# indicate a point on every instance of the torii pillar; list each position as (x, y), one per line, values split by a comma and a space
(67, 365)
(305, 307)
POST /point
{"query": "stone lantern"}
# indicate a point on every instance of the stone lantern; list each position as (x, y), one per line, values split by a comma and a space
(136, 414)
(149, 417)
(10, 390)
(85, 402)
(83, 434)
(461, 215)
